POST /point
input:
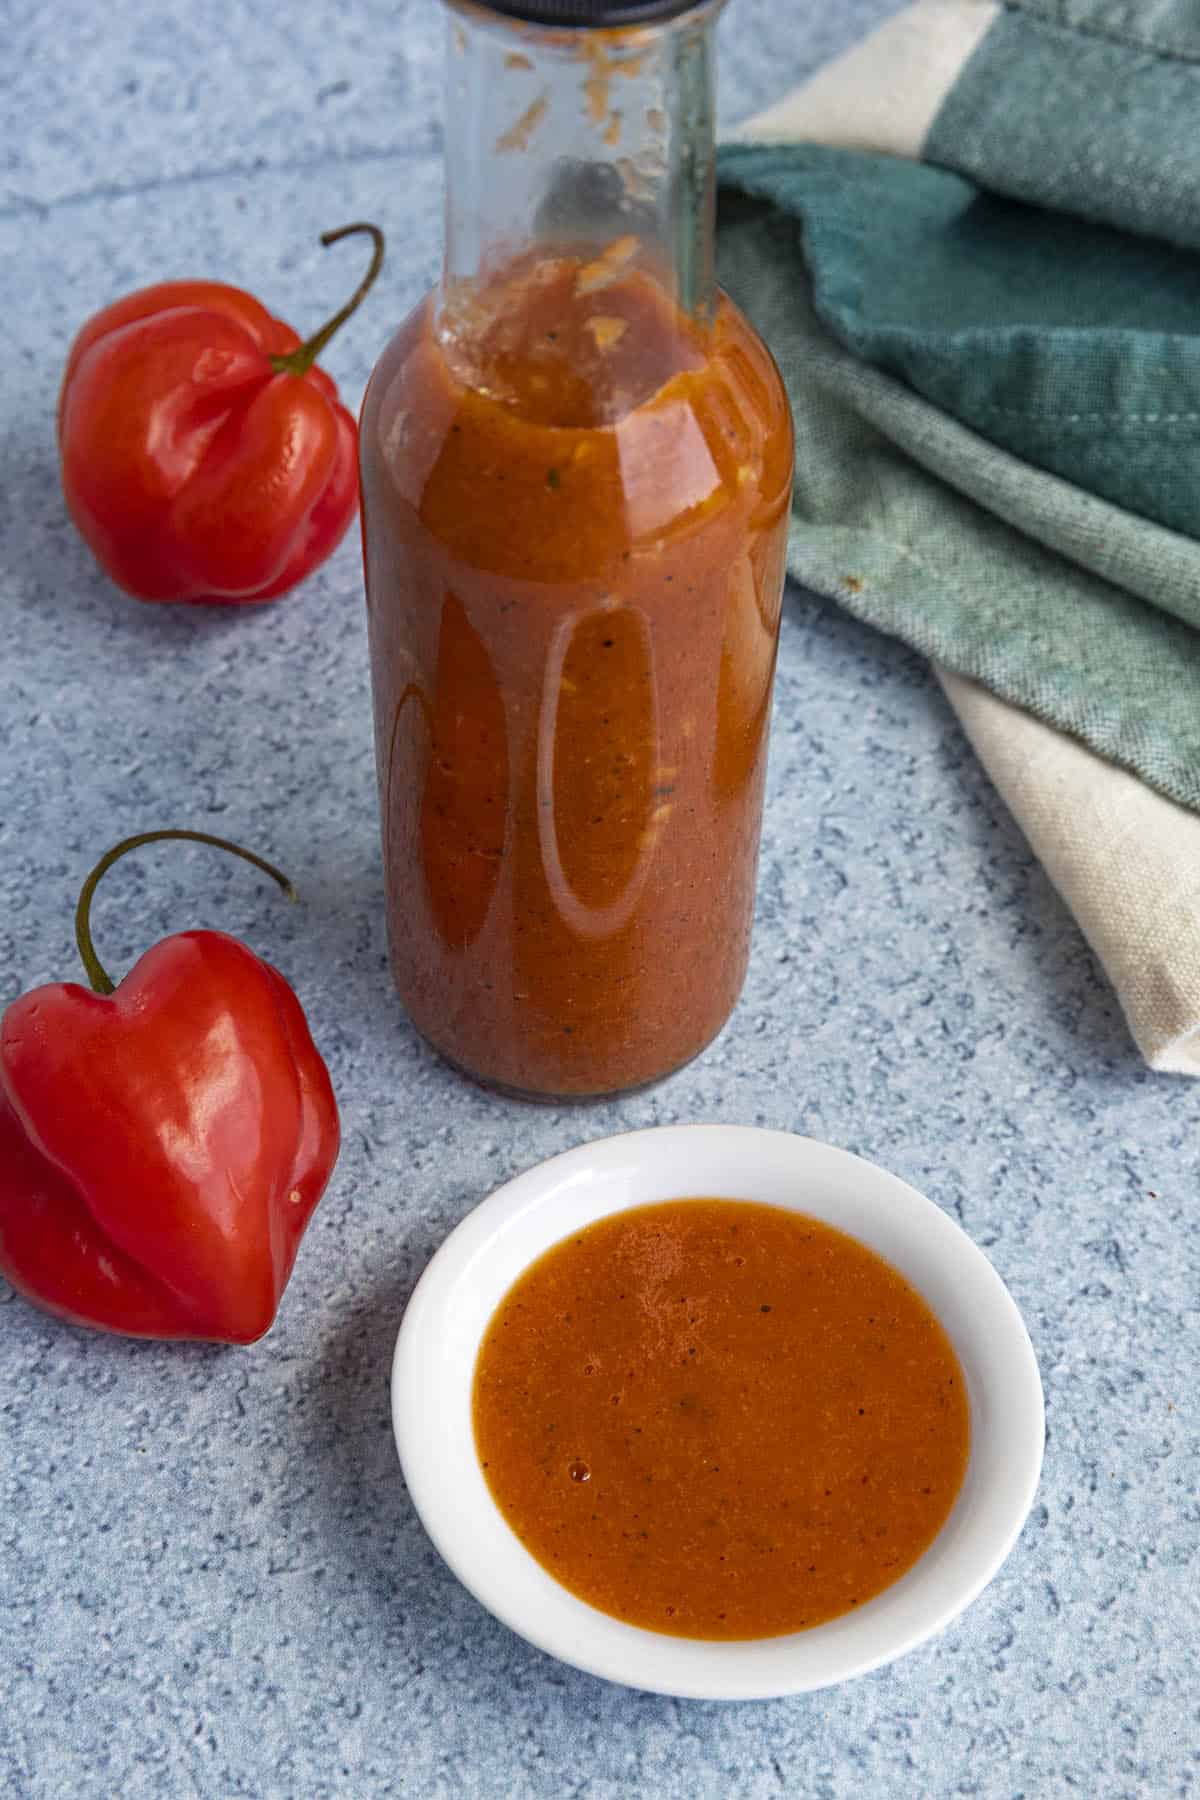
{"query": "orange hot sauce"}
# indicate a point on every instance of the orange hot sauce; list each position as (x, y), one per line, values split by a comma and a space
(719, 1419)
(575, 513)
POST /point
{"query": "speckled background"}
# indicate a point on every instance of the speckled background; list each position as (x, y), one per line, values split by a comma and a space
(211, 1580)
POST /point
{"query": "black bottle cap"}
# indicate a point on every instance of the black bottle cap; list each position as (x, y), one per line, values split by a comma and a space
(596, 13)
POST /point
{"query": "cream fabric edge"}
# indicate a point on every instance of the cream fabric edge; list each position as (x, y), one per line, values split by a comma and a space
(885, 93)
(1125, 859)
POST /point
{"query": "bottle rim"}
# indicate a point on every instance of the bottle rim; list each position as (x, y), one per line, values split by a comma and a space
(591, 14)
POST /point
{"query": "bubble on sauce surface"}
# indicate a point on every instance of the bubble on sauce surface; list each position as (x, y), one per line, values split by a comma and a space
(579, 1471)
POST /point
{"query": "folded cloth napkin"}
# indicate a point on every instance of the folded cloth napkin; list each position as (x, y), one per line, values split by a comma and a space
(972, 244)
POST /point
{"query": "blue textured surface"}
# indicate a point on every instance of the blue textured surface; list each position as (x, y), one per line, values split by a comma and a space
(211, 1581)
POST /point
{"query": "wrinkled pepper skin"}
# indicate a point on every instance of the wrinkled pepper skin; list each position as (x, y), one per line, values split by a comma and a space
(163, 1148)
(193, 470)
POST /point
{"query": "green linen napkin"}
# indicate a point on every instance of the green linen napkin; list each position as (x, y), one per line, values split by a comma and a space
(991, 338)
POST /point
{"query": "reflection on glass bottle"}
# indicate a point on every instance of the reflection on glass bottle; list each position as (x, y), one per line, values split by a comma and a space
(588, 202)
(407, 749)
(464, 802)
(598, 816)
(747, 669)
(586, 884)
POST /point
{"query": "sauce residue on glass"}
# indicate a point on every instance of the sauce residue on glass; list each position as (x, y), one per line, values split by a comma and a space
(720, 1419)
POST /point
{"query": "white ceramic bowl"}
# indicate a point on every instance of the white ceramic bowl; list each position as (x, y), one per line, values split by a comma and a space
(454, 1300)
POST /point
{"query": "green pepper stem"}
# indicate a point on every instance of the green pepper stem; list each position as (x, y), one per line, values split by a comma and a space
(299, 362)
(97, 974)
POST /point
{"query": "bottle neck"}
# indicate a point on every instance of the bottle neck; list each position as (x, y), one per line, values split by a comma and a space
(573, 141)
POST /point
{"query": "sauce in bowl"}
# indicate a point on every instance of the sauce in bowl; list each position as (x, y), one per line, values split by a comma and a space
(720, 1419)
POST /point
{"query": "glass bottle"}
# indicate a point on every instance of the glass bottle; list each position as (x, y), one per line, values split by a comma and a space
(576, 470)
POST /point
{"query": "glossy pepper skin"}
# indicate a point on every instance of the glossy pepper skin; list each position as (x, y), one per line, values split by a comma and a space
(162, 1148)
(205, 456)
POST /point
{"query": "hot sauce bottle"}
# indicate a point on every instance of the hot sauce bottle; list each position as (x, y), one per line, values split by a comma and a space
(576, 465)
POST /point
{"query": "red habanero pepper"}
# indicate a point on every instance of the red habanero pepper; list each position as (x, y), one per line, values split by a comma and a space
(204, 455)
(162, 1144)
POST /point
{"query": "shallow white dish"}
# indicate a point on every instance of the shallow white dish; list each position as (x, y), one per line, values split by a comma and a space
(455, 1298)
